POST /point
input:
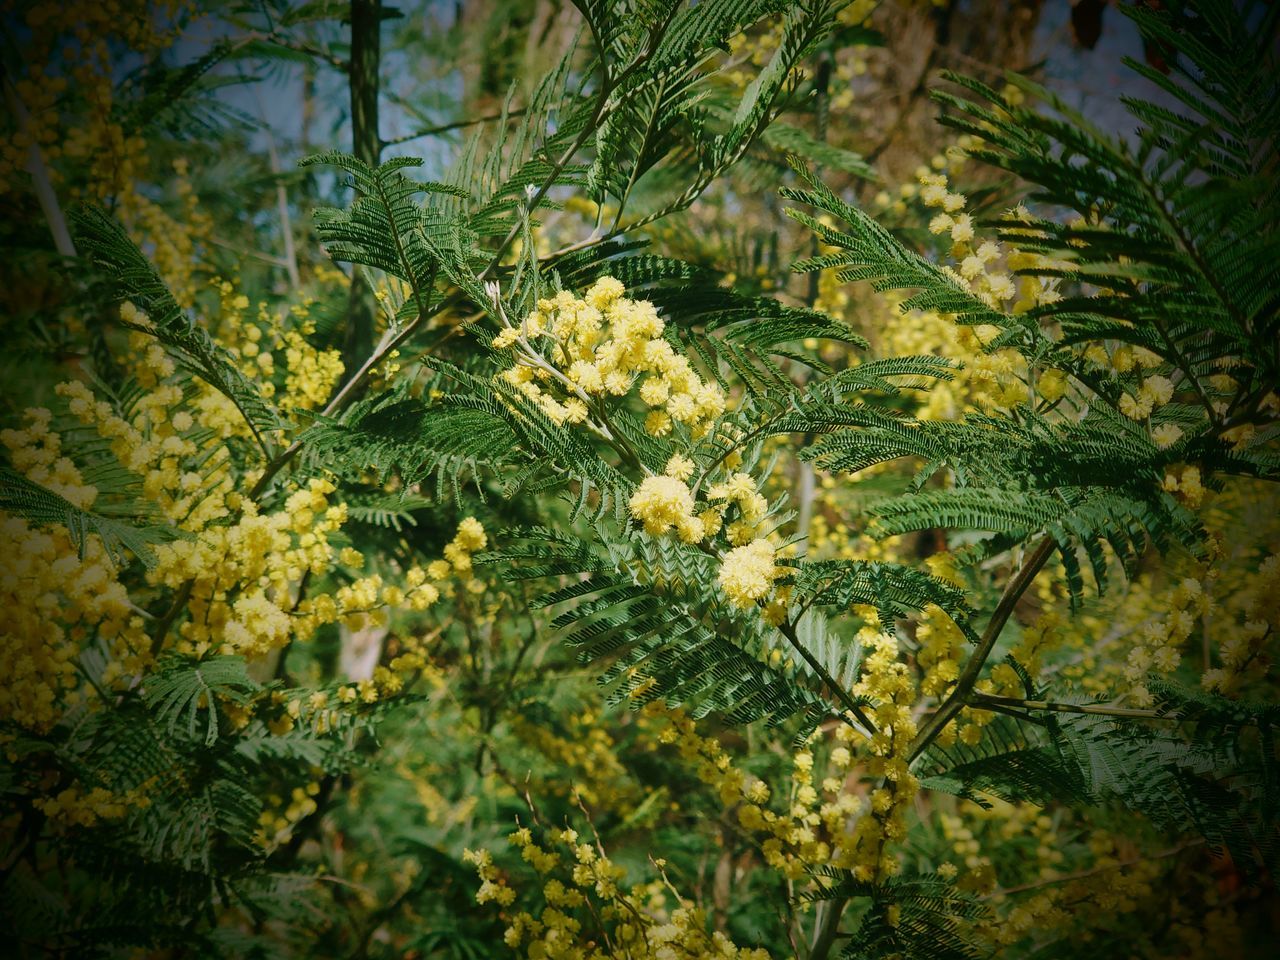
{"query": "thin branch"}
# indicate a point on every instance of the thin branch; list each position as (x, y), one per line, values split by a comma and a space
(169, 616)
(1013, 592)
(1094, 871)
(980, 700)
(286, 43)
(806, 479)
(246, 252)
(39, 171)
(290, 259)
(389, 342)
(826, 925)
(455, 125)
(788, 630)
(286, 224)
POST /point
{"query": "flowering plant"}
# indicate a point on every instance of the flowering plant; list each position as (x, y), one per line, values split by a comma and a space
(523, 589)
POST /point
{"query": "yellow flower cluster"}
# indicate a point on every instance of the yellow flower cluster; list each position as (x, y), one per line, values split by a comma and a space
(243, 577)
(244, 571)
(188, 482)
(1037, 641)
(1091, 651)
(1000, 825)
(585, 759)
(757, 49)
(600, 346)
(1185, 482)
(259, 345)
(663, 502)
(493, 889)
(740, 491)
(55, 597)
(1153, 393)
(470, 538)
(747, 573)
(827, 824)
(75, 806)
(1242, 651)
(171, 241)
(985, 379)
(427, 782)
(942, 645)
(1159, 641)
(992, 379)
(71, 46)
(278, 818)
(312, 373)
(887, 680)
(1110, 888)
(36, 452)
(587, 913)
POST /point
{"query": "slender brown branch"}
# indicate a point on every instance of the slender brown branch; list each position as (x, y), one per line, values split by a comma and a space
(1095, 709)
(39, 172)
(454, 125)
(289, 44)
(290, 259)
(169, 616)
(1094, 871)
(246, 252)
(788, 630)
(959, 696)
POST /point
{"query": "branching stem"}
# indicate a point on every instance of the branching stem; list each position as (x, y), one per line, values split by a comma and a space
(788, 630)
(959, 696)
(980, 700)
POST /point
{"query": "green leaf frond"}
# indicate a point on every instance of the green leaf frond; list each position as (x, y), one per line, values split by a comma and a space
(1214, 777)
(397, 433)
(132, 277)
(385, 227)
(1086, 482)
(871, 253)
(21, 497)
(896, 591)
(915, 917)
(653, 640)
(185, 691)
(730, 334)
(1180, 221)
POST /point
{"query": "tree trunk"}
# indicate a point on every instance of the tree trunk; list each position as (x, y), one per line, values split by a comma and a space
(366, 144)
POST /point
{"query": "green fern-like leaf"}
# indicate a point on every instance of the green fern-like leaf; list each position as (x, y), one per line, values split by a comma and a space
(187, 690)
(24, 498)
(133, 278)
(931, 917)
(653, 645)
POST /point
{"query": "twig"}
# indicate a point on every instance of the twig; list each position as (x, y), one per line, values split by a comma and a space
(290, 259)
(1094, 871)
(166, 619)
(788, 630)
(281, 41)
(245, 252)
(1013, 592)
(455, 125)
(39, 174)
(1097, 709)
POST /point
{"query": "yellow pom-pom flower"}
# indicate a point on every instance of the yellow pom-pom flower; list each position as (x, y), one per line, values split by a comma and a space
(748, 572)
